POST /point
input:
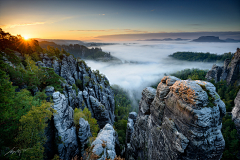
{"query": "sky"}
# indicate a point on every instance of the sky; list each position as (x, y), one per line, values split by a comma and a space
(99, 20)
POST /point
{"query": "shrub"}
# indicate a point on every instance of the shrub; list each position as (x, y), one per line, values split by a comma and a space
(79, 84)
(75, 87)
(86, 114)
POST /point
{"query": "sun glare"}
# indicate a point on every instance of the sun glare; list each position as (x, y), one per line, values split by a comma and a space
(26, 37)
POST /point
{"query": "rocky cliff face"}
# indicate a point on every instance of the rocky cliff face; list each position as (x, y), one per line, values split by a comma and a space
(94, 93)
(66, 137)
(130, 129)
(236, 113)
(182, 119)
(83, 134)
(229, 72)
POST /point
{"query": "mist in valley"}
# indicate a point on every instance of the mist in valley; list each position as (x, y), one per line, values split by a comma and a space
(143, 64)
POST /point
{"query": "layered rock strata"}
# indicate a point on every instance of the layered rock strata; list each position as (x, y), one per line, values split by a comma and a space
(229, 72)
(182, 119)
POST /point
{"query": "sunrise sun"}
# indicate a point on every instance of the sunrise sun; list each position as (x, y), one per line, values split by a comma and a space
(26, 37)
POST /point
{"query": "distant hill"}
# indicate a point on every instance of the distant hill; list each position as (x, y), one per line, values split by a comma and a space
(80, 51)
(208, 39)
(165, 39)
(231, 40)
(62, 42)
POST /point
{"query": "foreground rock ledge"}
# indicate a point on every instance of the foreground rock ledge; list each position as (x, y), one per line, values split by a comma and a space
(182, 121)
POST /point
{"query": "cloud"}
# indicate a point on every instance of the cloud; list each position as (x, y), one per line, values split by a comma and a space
(50, 21)
(88, 30)
(152, 10)
(21, 24)
(135, 31)
(112, 30)
(153, 35)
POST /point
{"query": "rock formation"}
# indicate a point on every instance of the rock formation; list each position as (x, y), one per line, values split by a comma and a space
(81, 87)
(94, 93)
(130, 129)
(236, 113)
(83, 134)
(49, 90)
(104, 144)
(229, 72)
(182, 119)
(95, 89)
(66, 137)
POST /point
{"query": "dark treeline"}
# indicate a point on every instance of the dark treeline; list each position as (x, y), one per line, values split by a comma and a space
(199, 56)
(79, 51)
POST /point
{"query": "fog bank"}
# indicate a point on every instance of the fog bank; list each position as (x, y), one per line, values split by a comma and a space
(145, 63)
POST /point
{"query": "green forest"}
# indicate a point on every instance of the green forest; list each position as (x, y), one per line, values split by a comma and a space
(202, 57)
(122, 109)
(24, 113)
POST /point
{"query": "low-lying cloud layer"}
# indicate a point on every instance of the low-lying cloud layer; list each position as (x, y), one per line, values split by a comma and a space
(145, 63)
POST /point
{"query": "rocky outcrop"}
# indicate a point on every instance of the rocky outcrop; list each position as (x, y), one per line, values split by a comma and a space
(100, 112)
(104, 144)
(229, 72)
(83, 134)
(130, 129)
(236, 113)
(81, 87)
(184, 122)
(94, 92)
(65, 135)
(215, 73)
